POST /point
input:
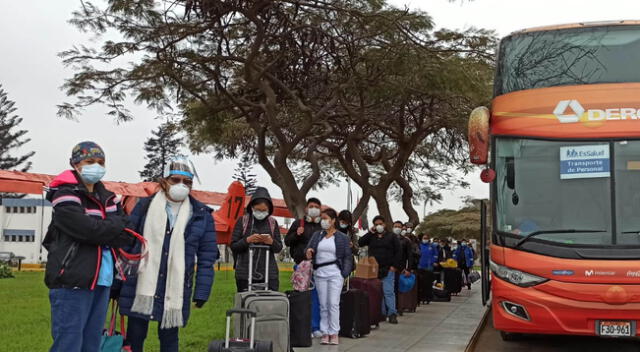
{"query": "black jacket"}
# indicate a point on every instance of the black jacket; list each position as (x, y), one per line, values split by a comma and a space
(408, 259)
(247, 226)
(385, 248)
(298, 243)
(444, 253)
(82, 224)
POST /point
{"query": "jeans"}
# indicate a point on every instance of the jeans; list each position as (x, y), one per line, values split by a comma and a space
(389, 301)
(329, 290)
(315, 310)
(137, 332)
(77, 318)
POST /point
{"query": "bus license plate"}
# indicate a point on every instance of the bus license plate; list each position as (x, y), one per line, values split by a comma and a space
(615, 328)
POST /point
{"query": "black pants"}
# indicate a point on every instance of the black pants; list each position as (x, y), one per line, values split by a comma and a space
(243, 285)
(137, 332)
(465, 270)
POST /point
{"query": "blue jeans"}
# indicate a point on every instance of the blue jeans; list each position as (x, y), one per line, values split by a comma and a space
(315, 311)
(137, 332)
(389, 301)
(77, 318)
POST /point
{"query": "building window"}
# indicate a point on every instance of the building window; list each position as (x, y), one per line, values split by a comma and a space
(7, 209)
(21, 210)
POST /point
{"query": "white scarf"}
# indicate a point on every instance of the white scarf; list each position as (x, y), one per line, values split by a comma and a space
(154, 232)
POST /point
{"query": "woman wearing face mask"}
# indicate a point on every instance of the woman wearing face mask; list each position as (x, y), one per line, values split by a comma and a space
(345, 219)
(178, 229)
(332, 261)
(87, 225)
(257, 227)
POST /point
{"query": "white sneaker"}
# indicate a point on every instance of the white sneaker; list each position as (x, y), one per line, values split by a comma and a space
(316, 334)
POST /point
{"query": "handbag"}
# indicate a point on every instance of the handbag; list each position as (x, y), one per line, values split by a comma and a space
(112, 340)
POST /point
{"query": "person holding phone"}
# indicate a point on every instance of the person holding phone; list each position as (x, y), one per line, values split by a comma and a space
(257, 227)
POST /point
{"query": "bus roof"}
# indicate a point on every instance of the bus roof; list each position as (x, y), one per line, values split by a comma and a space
(577, 25)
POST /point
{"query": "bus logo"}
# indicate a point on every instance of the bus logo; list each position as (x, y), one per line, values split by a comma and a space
(561, 108)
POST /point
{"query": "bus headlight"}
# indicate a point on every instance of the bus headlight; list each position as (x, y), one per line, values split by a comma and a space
(516, 277)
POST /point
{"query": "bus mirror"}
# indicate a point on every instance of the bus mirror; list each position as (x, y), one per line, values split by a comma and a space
(511, 172)
(479, 135)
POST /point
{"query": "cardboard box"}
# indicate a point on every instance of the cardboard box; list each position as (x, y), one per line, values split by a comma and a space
(367, 268)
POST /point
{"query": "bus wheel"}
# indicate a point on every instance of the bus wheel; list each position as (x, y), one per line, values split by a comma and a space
(510, 336)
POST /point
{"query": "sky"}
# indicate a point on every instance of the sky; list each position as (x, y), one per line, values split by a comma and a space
(33, 32)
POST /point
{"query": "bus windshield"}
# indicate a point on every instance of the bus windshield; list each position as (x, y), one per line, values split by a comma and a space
(555, 189)
(587, 55)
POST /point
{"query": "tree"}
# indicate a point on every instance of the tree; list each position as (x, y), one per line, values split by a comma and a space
(278, 79)
(458, 224)
(11, 139)
(243, 173)
(163, 144)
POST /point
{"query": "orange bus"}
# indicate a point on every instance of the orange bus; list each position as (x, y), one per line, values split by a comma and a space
(561, 149)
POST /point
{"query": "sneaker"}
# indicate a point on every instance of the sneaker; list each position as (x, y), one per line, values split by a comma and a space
(325, 340)
(334, 340)
(316, 334)
(393, 319)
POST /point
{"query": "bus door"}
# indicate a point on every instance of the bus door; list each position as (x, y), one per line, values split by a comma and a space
(485, 253)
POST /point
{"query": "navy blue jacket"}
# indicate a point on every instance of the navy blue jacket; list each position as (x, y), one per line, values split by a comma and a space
(429, 255)
(468, 256)
(343, 250)
(200, 242)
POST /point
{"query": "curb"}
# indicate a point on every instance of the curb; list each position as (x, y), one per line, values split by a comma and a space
(476, 334)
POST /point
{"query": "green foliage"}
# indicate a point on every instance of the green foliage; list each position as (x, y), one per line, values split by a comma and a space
(457, 224)
(164, 144)
(5, 271)
(243, 173)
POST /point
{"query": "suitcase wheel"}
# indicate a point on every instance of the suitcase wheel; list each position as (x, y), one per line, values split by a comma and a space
(216, 346)
(264, 346)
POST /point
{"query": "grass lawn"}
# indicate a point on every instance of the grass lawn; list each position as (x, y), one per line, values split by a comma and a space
(25, 315)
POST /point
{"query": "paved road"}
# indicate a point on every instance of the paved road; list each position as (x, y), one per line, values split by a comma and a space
(489, 340)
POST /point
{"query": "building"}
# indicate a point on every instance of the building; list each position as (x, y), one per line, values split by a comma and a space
(23, 225)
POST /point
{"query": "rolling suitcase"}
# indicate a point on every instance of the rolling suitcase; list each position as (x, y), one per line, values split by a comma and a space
(408, 301)
(354, 313)
(373, 288)
(453, 280)
(425, 285)
(241, 343)
(300, 318)
(441, 295)
(272, 309)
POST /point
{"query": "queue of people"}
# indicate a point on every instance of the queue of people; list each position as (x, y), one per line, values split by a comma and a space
(90, 239)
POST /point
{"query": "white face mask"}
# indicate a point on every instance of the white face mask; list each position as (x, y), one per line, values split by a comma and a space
(425, 241)
(179, 192)
(409, 229)
(403, 232)
(397, 230)
(380, 228)
(325, 224)
(313, 212)
(260, 215)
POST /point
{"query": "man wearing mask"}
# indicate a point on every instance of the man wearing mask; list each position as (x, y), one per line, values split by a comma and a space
(464, 255)
(407, 262)
(303, 229)
(385, 247)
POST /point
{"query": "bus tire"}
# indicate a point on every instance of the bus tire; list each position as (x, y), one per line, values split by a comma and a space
(510, 336)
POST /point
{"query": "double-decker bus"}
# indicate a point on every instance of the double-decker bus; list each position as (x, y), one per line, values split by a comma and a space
(561, 145)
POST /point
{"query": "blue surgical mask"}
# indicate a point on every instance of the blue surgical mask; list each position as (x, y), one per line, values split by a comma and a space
(260, 215)
(464, 244)
(343, 226)
(92, 173)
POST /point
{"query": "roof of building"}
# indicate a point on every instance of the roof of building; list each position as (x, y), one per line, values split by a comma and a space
(24, 202)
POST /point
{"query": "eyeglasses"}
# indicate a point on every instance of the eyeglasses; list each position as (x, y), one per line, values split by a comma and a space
(175, 180)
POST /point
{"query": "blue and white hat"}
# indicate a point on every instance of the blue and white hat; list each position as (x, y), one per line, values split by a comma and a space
(180, 165)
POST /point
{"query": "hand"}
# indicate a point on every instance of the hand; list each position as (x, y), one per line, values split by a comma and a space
(255, 238)
(267, 239)
(373, 229)
(309, 253)
(406, 273)
(350, 244)
(199, 303)
(393, 269)
(300, 231)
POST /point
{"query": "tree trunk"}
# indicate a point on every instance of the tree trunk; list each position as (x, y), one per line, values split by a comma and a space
(380, 196)
(407, 201)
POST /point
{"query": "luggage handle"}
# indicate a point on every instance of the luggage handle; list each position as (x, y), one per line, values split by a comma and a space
(252, 332)
(265, 285)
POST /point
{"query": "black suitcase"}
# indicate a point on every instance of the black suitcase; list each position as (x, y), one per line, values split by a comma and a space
(441, 295)
(355, 320)
(300, 318)
(425, 285)
(240, 344)
(453, 280)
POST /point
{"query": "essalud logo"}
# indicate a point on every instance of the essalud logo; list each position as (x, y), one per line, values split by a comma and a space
(561, 108)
